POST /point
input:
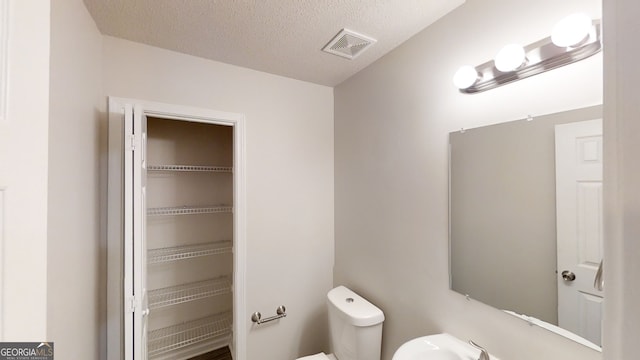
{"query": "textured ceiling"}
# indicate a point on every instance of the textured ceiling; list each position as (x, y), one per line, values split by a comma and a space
(282, 37)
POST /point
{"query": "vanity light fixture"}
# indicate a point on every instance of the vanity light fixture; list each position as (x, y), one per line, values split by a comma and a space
(510, 58)
(574, 38)
(572, 30)
(465, 77)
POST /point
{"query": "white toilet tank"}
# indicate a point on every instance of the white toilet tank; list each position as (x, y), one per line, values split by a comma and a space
(355, 326)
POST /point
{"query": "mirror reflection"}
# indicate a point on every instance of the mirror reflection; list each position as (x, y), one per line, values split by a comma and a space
(526, 219)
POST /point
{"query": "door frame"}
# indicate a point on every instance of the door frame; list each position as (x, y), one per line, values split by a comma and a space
(115, 288)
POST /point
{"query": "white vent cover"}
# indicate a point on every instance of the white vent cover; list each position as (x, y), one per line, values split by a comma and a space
(348, 44)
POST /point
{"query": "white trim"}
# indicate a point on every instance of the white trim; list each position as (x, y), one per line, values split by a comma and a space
(2, 292)
(212, 117)
(240, 248)
(4, 56)
(115, 232)
(179, 112)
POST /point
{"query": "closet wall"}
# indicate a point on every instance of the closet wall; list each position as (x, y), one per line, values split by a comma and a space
(289, 180)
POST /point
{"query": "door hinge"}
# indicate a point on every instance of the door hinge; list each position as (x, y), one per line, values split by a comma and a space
(130, 142)
(130, 304)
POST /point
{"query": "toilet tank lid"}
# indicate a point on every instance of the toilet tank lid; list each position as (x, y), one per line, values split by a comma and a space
(354, 307)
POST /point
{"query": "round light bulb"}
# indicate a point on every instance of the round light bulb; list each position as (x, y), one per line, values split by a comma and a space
(510, 57)
(465, 77)
(571, 30)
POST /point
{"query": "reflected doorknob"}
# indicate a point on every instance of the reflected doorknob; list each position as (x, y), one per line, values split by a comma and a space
(568, 275)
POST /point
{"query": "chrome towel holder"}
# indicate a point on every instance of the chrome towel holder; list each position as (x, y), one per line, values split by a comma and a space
(281, 312)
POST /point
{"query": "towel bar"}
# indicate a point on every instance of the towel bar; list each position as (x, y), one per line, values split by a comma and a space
(257, 317)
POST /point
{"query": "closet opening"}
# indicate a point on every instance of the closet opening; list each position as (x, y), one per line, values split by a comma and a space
(189, 192)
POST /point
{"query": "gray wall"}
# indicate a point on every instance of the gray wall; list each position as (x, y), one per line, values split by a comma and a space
(406, 261)
(289, 180)
(503, 213)
(392, 123)
(76, 296)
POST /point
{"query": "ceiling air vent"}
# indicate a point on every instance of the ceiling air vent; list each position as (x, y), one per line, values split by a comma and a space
(348, 44)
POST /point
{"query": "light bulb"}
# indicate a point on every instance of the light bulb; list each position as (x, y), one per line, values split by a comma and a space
(571, 30)
(510, 58)
(465, 77)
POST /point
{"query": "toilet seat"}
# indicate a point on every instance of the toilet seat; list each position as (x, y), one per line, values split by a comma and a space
(319, 356)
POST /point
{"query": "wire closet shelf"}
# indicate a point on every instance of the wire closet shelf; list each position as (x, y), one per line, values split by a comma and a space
(190, 168)
(156, 256)
(215, 329)
(189, 210)
(179, 294)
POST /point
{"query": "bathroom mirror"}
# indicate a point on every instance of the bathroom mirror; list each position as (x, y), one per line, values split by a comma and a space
(526, 207)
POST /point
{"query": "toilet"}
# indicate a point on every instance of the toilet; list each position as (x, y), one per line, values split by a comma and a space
(355, 327)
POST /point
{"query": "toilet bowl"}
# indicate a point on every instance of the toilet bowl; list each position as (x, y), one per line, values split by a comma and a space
(355, 327)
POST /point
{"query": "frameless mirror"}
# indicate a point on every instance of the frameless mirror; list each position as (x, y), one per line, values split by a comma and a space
(526, 219)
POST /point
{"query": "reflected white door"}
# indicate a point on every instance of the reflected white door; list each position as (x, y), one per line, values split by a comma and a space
(579, 215)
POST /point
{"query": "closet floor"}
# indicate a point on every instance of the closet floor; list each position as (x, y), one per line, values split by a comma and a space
(220, 354)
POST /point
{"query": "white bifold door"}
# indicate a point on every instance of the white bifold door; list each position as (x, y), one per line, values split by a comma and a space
(135, 281)
(178, 241)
